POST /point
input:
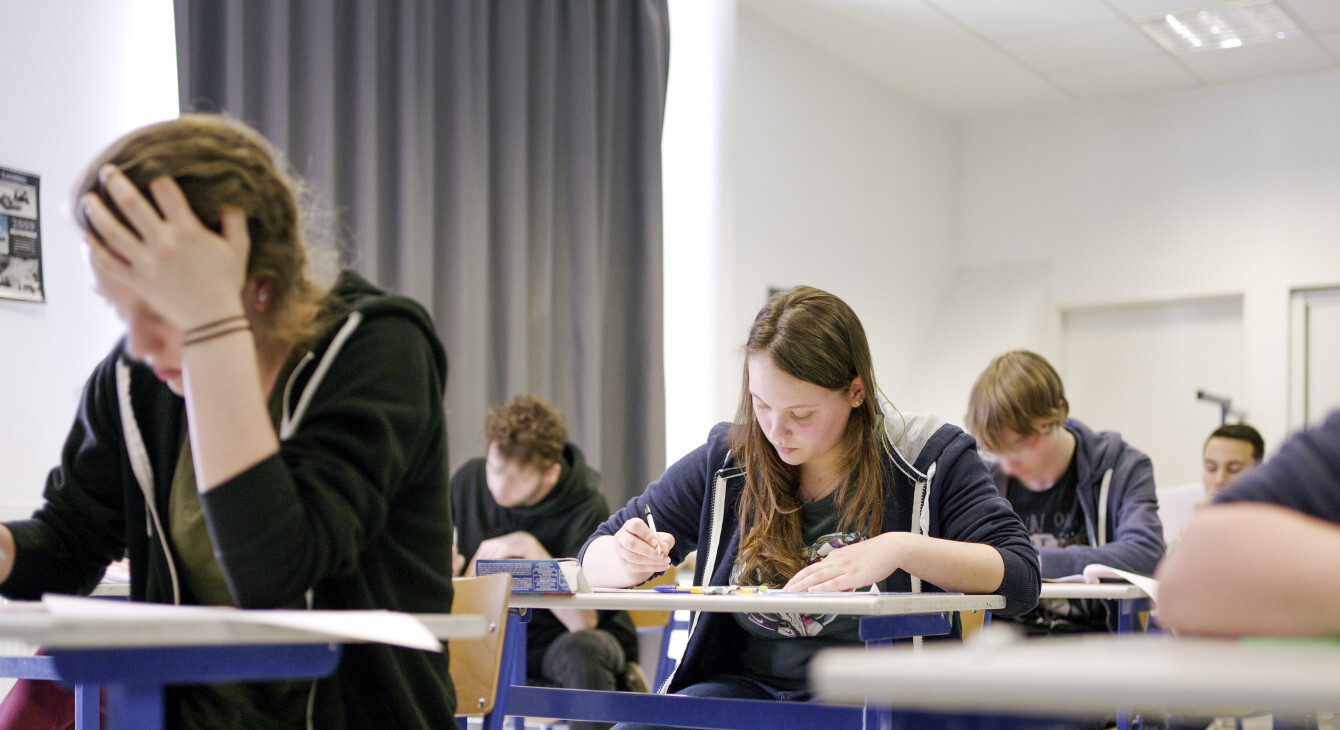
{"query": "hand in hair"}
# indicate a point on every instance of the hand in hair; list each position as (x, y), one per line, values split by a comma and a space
(188, 274)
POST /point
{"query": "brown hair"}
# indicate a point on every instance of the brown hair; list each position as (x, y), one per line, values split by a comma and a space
(1014, 393)
(813, 336)
(222, 163)
(527, 430)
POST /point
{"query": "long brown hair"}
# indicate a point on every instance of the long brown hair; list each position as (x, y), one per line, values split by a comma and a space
(221, 163)
(813, 336)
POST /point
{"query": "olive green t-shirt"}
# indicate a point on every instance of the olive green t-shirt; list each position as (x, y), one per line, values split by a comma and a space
(253, 705)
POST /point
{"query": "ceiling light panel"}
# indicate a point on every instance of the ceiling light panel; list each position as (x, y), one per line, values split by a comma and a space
(1230, 25)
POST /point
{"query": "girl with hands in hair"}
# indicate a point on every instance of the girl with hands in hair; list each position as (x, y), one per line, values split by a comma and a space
(261, 437)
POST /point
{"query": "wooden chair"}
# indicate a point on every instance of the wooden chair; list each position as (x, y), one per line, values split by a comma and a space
(476, 663)
(972, 621)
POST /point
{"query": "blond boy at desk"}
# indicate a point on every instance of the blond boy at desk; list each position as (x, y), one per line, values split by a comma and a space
(1085, 496)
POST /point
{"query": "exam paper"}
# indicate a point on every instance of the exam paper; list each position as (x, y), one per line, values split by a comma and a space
(379, 626)
(1095, 572)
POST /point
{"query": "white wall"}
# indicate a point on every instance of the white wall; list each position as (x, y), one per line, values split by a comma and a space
(836, 182)
(955, 242)
(1232, 190)
(79, 74)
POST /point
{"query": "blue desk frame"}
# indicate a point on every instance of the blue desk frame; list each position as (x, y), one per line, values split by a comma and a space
(135, 677)
(699, 712)
(520, 700)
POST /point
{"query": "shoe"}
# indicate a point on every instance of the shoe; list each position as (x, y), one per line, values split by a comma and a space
(632, 679)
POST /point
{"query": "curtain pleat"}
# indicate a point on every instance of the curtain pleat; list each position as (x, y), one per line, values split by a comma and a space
(499, 162)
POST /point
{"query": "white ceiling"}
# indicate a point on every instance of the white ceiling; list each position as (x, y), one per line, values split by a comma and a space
(966, 58)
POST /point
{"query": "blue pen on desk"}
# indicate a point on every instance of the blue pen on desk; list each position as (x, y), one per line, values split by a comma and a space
(710, 590)
(651, 522)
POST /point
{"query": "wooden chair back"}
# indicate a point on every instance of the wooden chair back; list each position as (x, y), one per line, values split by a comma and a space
(475, 663)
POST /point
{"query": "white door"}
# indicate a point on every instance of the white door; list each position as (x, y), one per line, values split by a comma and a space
(1315, 356)
(1137, 368)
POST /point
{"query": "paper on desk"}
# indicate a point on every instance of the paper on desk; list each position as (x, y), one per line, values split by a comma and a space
(383, 627)
(1094, 572)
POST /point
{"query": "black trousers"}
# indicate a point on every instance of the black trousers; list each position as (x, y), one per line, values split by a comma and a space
(590, 659)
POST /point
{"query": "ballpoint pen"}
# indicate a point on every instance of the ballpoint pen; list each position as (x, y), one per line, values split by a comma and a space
(651, 522)
(711, 590)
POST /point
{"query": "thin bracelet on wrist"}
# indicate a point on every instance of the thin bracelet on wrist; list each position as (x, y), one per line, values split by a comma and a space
(206, 337)
(214, 324)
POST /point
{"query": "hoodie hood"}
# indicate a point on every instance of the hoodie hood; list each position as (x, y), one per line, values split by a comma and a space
(910, 435)
(1095, 453)
(353, 293)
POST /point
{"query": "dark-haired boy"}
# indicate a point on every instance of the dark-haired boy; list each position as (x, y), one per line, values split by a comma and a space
(535, 497)
(1230, 452)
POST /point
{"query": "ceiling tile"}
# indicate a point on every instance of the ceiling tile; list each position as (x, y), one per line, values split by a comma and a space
(1125, 79)
(996, 19)
(1141, 8)
(1332, 42)
(1315, 15)
(1103, 43)
(892, 43)
(1258, 61)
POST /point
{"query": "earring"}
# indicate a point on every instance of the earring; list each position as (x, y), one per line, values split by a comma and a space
(858, 403)
(262, 299)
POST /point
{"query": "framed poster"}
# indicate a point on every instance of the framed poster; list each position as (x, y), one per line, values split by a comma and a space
(20, 237)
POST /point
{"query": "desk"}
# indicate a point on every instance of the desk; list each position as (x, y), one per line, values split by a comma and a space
(136, 659)
(1131, 599)
(110, 589)
(884, 617)
(1089, 675)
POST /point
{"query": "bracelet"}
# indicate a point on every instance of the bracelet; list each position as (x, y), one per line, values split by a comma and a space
(215, 323)
(214, 335)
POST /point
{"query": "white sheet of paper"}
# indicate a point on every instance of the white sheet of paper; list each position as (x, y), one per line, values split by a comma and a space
(385, 627)
(1144, 583)
(1094, 572)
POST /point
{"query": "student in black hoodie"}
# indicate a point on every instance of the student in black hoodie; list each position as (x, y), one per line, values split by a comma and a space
(535, 497)
(255, 440)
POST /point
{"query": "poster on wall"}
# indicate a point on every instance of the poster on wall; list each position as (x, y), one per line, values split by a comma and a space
(20, 237)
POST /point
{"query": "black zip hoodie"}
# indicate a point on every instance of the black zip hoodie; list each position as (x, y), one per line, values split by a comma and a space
(561, 522)
(351, 511)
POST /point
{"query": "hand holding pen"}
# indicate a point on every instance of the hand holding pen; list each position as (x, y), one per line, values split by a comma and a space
(641, 548)
(651, 523)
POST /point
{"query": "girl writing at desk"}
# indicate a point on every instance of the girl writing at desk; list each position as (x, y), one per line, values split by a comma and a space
(818, 485)
(256, 439)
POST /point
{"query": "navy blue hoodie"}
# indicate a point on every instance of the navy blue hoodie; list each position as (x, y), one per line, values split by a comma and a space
(698, 497)
(1304, 476)
(1115, 488)
(1131, 535)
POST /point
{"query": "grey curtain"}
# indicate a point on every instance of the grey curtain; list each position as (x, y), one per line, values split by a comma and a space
(497, 160)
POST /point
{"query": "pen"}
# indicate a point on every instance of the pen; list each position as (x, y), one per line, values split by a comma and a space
(651, 522)
(710, 590)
